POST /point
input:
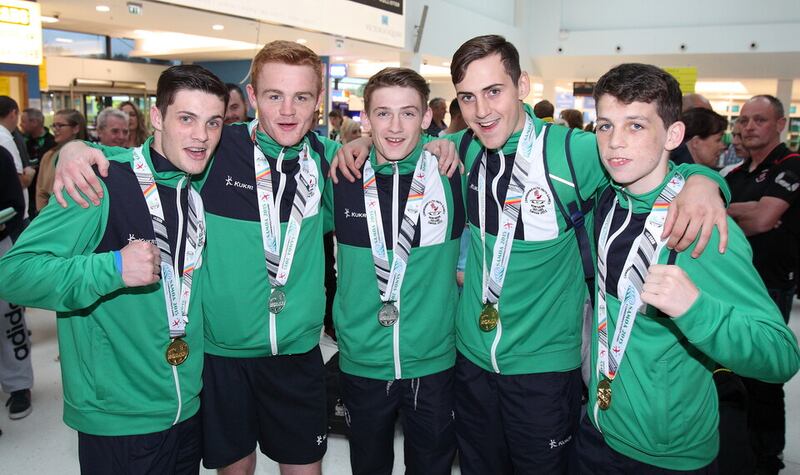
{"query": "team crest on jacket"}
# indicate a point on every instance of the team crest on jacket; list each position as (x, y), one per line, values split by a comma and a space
(434, 211)
(537, 200)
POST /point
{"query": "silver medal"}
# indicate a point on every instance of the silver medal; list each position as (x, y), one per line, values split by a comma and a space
(277, 300)
(388, 314)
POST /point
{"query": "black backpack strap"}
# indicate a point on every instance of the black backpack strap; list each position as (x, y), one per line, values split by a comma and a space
(575, 212)
(463, 146)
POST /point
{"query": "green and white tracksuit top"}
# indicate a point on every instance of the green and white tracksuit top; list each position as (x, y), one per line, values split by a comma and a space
(112, 339)
(664, 404)
(542, 300)
(237, 320)
(422, 341)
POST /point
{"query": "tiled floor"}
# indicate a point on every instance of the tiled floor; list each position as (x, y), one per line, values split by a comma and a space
(41, 444)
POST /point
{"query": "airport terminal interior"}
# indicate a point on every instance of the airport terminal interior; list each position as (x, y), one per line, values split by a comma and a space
(89, 55)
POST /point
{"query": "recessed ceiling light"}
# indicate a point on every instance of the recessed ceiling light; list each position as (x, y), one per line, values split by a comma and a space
(102, 8)
(217, 27)
(338, 58)
(49, 19)
(302, 41)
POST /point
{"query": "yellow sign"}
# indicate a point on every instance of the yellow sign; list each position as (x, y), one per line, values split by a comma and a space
(15, 15)
(43, 75)
(687, 77)
(5, 86)
(20, 32)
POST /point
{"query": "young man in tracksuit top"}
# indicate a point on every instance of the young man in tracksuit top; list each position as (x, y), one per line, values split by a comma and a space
(664, 320)
(518, 330)
(398, 231)
(120, 276)
(263, 380)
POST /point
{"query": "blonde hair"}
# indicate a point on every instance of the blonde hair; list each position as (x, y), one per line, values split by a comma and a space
(348, 127)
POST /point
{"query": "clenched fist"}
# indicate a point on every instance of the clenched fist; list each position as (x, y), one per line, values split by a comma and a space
(669, 289)
(141, 264)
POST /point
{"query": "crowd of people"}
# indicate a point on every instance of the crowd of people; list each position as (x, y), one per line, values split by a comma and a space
(189, 274)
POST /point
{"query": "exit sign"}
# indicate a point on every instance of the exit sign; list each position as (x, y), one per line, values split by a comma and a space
(134, 8)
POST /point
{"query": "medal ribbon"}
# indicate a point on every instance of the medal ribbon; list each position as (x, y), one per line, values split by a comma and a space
(390, 280)
(507, 219)
(646, 248)
(269, 205)
(177, 299)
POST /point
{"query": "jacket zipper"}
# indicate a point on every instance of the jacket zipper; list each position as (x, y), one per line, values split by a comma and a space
(395, 229)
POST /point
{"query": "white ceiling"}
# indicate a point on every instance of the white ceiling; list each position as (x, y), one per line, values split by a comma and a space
(756, 71)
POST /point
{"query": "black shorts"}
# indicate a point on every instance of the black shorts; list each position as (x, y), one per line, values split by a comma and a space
(426, 405)
(277, 401)
(596, 457)
(515, 423)
(176, 450)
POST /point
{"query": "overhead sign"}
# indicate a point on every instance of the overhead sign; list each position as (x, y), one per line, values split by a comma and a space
(394, 6)
(338, 71)
(687, 77)
(20, 32)
(377, 21)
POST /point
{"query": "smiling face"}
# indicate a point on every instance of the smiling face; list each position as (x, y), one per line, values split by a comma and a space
(286, 99)
(190, 129)
(490, 102)
(63, 129)
(634, 145)
(396, 117)
(114, 133)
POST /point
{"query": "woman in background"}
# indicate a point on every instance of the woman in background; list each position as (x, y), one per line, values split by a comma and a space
(137, 131)
(68, 124)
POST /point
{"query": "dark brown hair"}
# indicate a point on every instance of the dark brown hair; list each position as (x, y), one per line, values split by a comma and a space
(480, 47)
(187, 77)
(637, 82)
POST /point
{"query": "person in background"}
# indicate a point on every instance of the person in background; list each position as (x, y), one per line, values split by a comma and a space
(736, 152)
(112, 127)
(702, 141)
(692, 100)
(237, 106)
(336, 118)
(439, 108)
(38, 140)
(457, 123)
(137, 129)
(9, 117)
(764, 203)
(544, 110)
(350, 130)
(573, 118)
(68, 124)
(16, 371)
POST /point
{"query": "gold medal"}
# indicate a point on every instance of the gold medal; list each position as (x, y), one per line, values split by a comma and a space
(177, 352)
(604, 394)
(489, 317)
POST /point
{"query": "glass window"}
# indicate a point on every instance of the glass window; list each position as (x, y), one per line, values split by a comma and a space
(71, 43)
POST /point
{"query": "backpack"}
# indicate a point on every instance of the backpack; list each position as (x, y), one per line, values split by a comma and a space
(575, 209)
